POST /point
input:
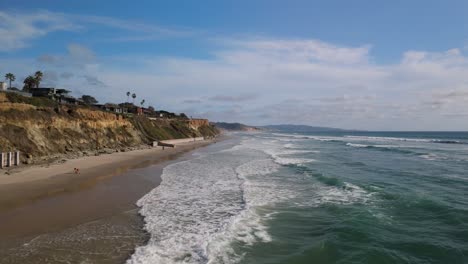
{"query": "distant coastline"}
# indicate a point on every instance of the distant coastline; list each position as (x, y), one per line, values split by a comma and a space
(235, 127)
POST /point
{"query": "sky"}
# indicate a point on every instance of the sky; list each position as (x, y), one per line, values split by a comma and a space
(362, 64)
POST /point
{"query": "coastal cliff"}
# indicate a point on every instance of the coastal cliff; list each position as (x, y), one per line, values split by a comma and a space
(44, 133)
(235, 127)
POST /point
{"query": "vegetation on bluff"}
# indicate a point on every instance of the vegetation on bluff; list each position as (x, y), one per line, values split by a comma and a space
(43, 129)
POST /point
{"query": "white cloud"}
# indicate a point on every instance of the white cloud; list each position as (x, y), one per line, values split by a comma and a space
(345, 90)
(19, 29)
(307, 50)
(149, 31)
(80, 52)
(260, 81)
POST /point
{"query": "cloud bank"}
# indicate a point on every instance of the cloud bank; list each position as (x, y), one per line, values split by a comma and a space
(256, 80)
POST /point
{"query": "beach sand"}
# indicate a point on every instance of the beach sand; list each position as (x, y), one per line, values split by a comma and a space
(51, 215)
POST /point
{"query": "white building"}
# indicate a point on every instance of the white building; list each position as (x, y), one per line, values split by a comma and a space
(3, 86)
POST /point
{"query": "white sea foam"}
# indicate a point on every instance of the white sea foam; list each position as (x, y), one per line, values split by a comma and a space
(205, 204)
(257, 167)
(367, 138)
(321, 194)
(292, 161)
(194, 202)
(347, 194)
(433, 156)
(303, 137)
(357, 145)
(291, 146)
(280, 154)
(210, 207)
(387, 139)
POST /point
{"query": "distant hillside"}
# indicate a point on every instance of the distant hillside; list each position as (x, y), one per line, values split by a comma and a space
(300, 128)
(234, 126)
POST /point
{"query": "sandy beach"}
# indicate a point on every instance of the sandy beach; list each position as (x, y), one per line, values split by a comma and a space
(42, 202)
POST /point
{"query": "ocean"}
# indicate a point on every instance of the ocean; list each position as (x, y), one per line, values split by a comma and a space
(341, 197)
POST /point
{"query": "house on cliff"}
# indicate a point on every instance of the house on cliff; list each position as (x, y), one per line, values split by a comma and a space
(3, 86)
(112, 108)
(60, 95)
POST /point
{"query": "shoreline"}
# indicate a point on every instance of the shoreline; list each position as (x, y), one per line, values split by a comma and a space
(30, 183)
(48, 201)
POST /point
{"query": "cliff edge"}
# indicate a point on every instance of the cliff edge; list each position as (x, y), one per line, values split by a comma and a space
(44, 132)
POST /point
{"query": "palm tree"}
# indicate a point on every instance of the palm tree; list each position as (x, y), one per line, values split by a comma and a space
(10, 77)
(38, 78)
(133, 96)
(142, 102)
(29, 83)
(128, 96)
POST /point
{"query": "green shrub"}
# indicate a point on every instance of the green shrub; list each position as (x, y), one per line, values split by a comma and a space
(36, 101)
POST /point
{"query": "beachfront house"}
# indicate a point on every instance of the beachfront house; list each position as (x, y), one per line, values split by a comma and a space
(43, 92)
(3, 86)
(68, 99)
(59, 95)
(112, 108)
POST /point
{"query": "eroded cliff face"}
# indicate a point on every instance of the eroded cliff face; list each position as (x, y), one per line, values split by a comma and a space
(197, 123)
(44, 133)
(172, 129)
(49, 133)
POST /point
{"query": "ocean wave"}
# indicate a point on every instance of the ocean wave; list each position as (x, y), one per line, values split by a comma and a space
(205, 204)
(249, 226)
(433, 156)
(292, 161)
(447, 141)
(346, 194)
(368, 138)
(340, 194)
(375, 138)
(299, 148)
(331, 181)
(389, 148)
(257, 167)
(195, 201)
(302, 137)
(357, 145)
(277, 151)
(372, 146)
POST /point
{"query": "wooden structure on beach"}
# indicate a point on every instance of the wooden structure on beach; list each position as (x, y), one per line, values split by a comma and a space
(9, 159)
(171, 143)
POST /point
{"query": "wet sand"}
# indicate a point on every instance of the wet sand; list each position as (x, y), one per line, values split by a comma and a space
(80, 218)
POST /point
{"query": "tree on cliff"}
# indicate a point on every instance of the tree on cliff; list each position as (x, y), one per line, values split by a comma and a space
(128, 97)
(38, 78)
(89, 100)
(10, 77)
(29, 83)
(133, 96)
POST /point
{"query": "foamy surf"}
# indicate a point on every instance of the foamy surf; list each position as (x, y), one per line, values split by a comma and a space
(211, 208)
(204, 205)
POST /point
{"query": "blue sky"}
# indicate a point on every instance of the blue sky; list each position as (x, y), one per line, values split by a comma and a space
(382, 65)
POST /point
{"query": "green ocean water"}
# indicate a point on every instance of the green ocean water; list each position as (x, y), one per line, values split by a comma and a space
(390, 198)
(314, 198)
